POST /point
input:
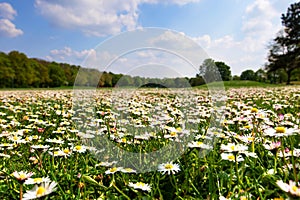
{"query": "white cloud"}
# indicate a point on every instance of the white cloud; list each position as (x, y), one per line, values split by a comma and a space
(260, 24)
(96, 17)
(69, 55)
(8, 29)
(7, 11)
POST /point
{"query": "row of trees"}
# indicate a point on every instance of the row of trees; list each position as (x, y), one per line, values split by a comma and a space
(19, 71)
(284, 53)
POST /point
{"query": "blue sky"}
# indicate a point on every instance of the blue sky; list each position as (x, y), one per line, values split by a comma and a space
(234, 31)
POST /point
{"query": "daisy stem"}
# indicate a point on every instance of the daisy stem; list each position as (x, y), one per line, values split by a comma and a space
(174, 183)
(160, 195)
(275, 163)
(284, 161)
(114, 185)
(231, 175)
(21, 191)
(237, 170)
(293, 162)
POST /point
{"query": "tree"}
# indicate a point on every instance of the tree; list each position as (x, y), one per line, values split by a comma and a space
(260, 75)
(248, 75)
(285, 50)
(224, 70)
(210, 72)
(56, 75)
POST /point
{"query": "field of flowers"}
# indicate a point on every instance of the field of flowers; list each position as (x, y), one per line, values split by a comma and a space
(150, 144)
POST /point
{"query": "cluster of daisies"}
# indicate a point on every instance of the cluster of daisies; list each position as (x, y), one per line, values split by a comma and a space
(62, 125)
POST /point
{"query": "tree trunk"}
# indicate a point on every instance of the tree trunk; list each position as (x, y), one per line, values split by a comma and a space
(289, 74)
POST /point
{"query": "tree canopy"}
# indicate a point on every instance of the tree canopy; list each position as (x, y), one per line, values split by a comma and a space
(284, 51)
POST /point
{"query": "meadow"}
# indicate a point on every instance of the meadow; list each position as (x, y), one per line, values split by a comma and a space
(150, 144)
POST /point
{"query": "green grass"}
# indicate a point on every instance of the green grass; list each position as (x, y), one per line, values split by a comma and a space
(236, 84)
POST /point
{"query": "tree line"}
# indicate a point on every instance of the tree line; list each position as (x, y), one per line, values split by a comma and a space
(19, 71)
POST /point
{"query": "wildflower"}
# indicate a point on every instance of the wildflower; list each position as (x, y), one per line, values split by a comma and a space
(168, 167)
(30, 181)
(140, 185)
(272, 146)
(231, 147)
(113, 170)
(279, 131)
(80, 148)
(22, 176)
(289, 188)
(40, 191)
(128, 170)
(57, 141)
(198, 145)
(40, 146)
(231, 157)
(106, 164)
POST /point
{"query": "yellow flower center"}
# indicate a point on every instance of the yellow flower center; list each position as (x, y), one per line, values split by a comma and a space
(15, 137)
(173, 134)
(40, 191)
(230, 157)
(199, 143)
(294, 188)
(140, 184)
(78, 148)
(22, 176)
(27, 138)
(232, 148)
(114, 169)
(254, 110)
(247, 127)
(250, 138)
(123, 140)
(280, 129)
(66, 151)
(128, 169)
(168, 166)
(56, 152)
(37, 180)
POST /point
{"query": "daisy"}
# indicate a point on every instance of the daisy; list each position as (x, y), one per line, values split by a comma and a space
(128, 170)
(272, 146)
(231, 157)
(80, 148)
(168, 167)
(290, 188)
(231, 147)
(39, 191)
(40, 146)
(57, 141)
(140, 185)
(106, 164)
(280, 131)
(195, 144)
(22, 176)
(30, 181)
(113, 170)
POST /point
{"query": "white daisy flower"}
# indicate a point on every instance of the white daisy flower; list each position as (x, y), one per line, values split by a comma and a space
(22, 176)
(113, 170)
(39, 191)
(140, 185)
(30, 181)
(169, 168)
(231, 157)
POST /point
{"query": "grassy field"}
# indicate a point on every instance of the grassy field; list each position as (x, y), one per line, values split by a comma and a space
(151, 144)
